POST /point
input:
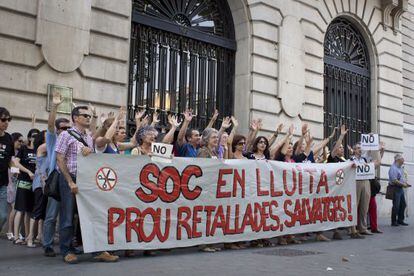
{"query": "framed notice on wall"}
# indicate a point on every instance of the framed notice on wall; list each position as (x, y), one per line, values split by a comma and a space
(67, 94)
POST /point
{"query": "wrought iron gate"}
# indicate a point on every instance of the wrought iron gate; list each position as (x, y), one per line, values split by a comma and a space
(347, 94)
(182, 56)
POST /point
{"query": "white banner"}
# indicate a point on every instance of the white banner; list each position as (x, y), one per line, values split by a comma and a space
(130, 202)
(365, 171)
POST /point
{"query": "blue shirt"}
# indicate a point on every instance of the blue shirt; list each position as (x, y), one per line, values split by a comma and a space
(396, 173)
(41, 171)
(51, 153)
(187, 150)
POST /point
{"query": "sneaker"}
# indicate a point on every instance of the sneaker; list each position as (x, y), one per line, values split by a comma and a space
(320, 237)
(403, 224)
(377, 231)
(106, 257)
(208, 249)
(10, 236)
(337, 236)
(49, 252)
(70, 259)
(357, 236)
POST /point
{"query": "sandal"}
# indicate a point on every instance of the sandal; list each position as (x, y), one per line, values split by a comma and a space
(208, 249)
(30, 244)
(19, 241)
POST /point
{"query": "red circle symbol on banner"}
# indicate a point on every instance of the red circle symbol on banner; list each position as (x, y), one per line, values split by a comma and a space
(340, 177)
(106, 179)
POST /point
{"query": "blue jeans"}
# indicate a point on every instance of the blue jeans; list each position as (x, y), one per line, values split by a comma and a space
(52, 211)
(398, 206)
(3, 206)
(67, 209)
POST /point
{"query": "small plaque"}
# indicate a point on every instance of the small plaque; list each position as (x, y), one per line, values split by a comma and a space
(67, 92)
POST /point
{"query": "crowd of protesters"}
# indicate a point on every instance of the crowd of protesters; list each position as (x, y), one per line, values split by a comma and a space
(26, 162)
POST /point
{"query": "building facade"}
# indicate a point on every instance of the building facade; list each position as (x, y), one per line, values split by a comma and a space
(323, 62)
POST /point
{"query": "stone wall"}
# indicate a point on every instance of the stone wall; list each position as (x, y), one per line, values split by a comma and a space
(80, 44)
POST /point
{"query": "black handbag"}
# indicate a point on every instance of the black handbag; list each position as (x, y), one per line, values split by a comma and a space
(375, 186)
(390, 192)
(52, 185)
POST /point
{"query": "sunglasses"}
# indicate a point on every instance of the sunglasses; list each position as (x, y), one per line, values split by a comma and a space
(8, 119)
(86, 116)
(20, 141)
(64, 128)
(262, 142)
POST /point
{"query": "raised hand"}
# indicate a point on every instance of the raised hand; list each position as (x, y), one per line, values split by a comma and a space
(173, 121)
(333, 133)
(155, 118)
(188, 115)
(226, 123)
(382, 147)
(308, 138)
(57, 98)
(139, 115)
(92, 109)
(291, 129)
(259, 124)
(304, 129)
(215, 115)
(111, 115)
(279, 128)
(122, 113)
(254, 125)
(234, 121)
(344, 131)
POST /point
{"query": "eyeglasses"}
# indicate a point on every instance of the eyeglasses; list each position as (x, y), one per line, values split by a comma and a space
(20, 141)
(262, 142)
(64, 128)
(241, 143)
(6, 119)
(34, 136)
(87, 116)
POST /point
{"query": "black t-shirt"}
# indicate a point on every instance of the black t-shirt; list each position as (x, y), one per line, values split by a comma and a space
(28, 160)
(303, 158)
(335, 159)
(6, 153)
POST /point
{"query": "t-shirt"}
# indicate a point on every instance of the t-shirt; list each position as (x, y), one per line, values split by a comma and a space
(28, 160)
(6, 153)
(302, 158)
(187, 150)
(251, 156)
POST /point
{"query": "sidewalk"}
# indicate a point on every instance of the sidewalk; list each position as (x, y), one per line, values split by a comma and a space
(380, 254)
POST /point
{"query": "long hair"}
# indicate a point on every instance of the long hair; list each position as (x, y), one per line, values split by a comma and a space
(256, 142)
(236, 139)
(39, 140)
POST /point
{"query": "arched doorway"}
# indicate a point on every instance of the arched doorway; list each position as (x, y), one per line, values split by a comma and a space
(182, 56)
(347, 93)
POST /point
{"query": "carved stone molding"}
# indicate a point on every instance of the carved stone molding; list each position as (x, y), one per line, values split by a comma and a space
(63, 32)
(392, 11)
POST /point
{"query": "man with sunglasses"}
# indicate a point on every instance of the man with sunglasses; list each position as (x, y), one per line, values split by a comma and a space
(69, 143)
(54, 128)
(6, 153)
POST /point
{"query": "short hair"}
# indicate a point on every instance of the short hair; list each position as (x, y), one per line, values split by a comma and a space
(398, 156)
(4, 112)
(139, 137)
(356, 145)
(189, 133)
(121, 127)
(207, 134)
(58, 121)
(75, 111)
(236, 139)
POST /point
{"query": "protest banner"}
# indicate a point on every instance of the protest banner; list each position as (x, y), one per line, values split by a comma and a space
(190, 201)
(365, 171)
(369, 142)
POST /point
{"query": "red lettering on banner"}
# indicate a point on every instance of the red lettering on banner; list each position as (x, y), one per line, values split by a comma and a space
(159, 189)
(323, 182)
(273, 192)
(196, 221)
(259, 191)
(113, 224)
(241, 180)
(132, 225)
(183, 222)
(222, 183)
(209, 210)
(285, 185)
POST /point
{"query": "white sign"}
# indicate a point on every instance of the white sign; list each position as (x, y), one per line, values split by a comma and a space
(162, 150)
(193, 201)
(365, 171)
(369, 142)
